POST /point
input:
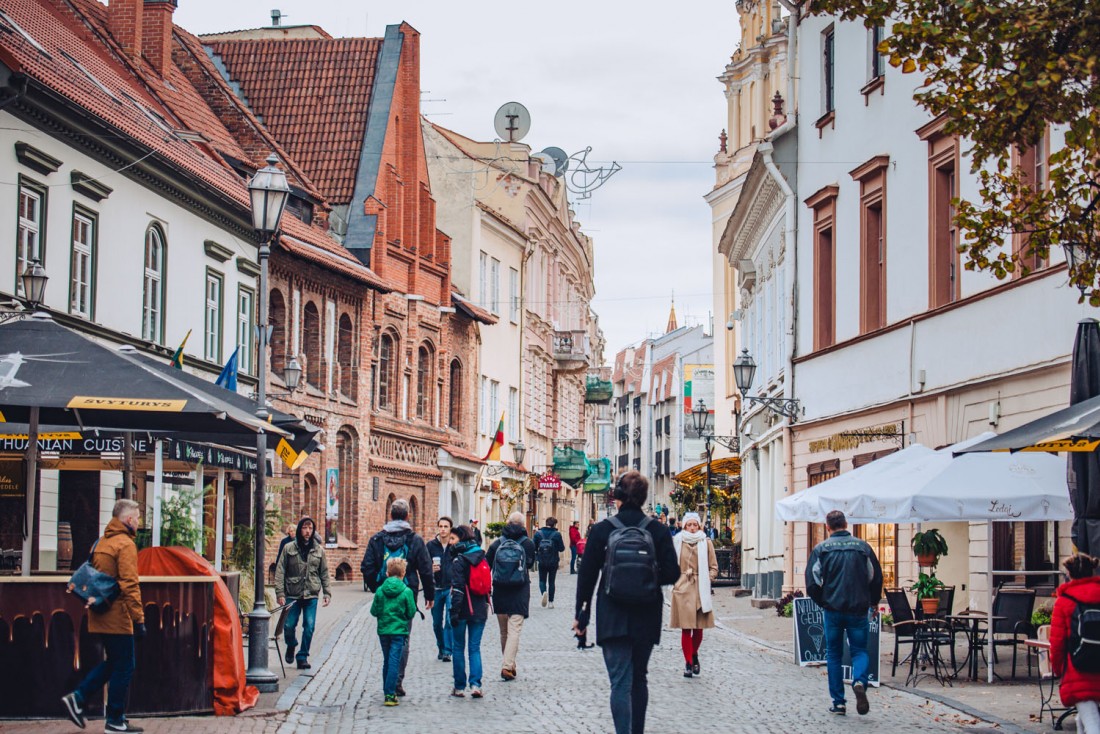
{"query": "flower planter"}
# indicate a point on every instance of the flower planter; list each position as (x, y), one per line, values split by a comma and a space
(930, 605)
(927, 560)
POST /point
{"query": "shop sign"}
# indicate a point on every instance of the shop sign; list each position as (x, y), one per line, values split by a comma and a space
(549, 482)
(211, 456)
(11, 478)
(853, 439)
(75, 444)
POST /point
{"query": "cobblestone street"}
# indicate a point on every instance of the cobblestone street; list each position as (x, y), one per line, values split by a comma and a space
(743, 688)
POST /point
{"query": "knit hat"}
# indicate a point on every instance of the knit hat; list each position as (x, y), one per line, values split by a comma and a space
(689, 516)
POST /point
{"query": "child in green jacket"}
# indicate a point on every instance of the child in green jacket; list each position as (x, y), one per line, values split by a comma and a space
(394, 605)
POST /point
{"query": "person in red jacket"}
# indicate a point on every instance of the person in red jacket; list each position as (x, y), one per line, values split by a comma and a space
(574, 537)
(1078, 689)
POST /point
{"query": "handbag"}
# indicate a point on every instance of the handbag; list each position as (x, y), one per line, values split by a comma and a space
(96, 588)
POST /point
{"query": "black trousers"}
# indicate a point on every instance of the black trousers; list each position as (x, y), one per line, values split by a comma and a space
(547, 576)
(627, 666)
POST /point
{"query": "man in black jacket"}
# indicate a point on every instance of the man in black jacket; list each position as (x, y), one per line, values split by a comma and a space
(549, 546)
(398, 539)
(626, 632)
(844, 578)
(441, 550)
(511, 601)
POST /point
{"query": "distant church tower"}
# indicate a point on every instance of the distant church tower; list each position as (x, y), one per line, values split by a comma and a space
(672, 318)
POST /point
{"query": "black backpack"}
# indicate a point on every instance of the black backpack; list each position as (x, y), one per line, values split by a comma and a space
(1084, 636)
(545, 551)
(509, 564)
(630, 569)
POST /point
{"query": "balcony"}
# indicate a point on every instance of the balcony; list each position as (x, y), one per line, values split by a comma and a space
(597, 391)
(571, 464)
(624, 434)
(600, 478)
(570, 350)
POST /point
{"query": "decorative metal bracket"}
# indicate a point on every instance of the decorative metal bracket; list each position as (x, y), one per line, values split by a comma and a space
(730, 443)
(787, 408)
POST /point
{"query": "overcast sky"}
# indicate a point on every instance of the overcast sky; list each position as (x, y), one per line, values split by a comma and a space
(636, 81)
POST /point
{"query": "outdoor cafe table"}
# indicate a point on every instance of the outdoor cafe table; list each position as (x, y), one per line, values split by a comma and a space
(1048, 684)
(972, 620)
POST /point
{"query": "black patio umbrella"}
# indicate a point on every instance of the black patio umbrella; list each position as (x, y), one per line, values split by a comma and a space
(1084, 467)
(1074, 429)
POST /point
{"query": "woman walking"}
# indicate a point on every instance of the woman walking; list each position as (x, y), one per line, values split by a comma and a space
(692, 609)
(1080, 689)
(471, 583)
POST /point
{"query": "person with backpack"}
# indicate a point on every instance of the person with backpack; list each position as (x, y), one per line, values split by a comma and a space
(394, 607)
(692, 607)
(441, 550)
(548, 547)
(1074, 636)
(844, 578)
(397, 539)
(511, 557)
(301, 576)
(629, 557)
(574, 538)
(118, 626)
(471, 584)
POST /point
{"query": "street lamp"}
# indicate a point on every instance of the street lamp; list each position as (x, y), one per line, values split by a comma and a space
(700, 417)
(744, 369)
(292, 375)
(1076, 254)
(519, 451)
(268, 191)
(34, 283)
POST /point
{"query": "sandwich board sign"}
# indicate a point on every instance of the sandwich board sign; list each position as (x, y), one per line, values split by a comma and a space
(809, 639)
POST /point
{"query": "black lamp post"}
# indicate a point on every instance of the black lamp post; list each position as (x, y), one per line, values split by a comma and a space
(744, 369)
(1076, 254)
(269, 192)
(34, 284)
(700, 415)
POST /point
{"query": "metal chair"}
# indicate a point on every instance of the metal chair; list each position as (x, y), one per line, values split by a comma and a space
(1015, 605)
(277, 631)
(912, 631)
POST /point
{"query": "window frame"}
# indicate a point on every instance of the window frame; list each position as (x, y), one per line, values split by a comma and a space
(823, 204)
(873, 272)
(828, 70)
(1034, 162)
(513, 295)
(212, 337)
(454, 412)
(386, 372)
(944, 166)
(154, 231)
(424, 379)
(246, 357)
(41, 192)
(494, 286)
(92, 219)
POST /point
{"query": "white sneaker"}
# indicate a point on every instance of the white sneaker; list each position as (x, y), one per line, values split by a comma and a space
(551, 605)
(545, 596)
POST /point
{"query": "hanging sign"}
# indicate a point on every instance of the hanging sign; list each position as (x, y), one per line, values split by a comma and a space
(549, 482)
(212, 456)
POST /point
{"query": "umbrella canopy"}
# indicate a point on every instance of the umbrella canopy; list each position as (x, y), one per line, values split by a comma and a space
(1072, 429)
(74, 381)
(1083, 473)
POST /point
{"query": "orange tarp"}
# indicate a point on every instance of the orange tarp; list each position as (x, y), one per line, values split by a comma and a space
(231, 695)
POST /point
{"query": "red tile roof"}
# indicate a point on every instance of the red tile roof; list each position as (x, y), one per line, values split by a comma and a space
(460, 453)
(474, 312)
(312, 93)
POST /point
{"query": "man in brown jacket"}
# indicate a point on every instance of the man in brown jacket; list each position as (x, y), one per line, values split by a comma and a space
(115, 554)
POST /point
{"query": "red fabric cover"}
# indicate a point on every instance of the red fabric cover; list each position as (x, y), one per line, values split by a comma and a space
(1076, 686)
(231, 695)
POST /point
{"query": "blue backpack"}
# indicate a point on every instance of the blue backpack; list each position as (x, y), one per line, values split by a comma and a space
(387, 554)
(509, 564)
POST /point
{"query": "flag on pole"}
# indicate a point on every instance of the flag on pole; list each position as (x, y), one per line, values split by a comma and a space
(228, 376)
(498, 442)
(177, 356)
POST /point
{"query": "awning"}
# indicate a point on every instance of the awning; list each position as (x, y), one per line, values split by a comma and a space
(728, 465)
(1076, 428)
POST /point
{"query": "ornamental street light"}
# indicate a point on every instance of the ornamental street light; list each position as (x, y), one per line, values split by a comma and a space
(34, 284)
(744, 369)
(269, 192)
(1076, 254)
(700, 417)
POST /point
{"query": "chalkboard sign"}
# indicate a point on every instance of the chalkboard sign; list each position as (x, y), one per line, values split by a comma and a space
(809, 639)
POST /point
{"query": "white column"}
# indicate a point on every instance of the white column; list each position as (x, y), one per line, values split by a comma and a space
(219, 521)
(197, 478)
(158, 490)
(48, 496)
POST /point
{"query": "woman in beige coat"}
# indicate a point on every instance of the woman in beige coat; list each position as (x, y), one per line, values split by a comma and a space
(692, 609)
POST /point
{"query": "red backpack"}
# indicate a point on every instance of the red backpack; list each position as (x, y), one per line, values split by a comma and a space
(481, 578)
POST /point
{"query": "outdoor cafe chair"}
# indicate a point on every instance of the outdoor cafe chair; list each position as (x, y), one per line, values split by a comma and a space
(1015, 605)
(912, 631)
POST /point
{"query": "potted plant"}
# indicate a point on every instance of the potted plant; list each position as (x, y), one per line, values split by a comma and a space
(927, 588)
(928, 546)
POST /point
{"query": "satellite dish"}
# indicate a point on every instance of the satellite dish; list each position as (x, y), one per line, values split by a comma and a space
(512, 122)
(548, 164)
(561, 159)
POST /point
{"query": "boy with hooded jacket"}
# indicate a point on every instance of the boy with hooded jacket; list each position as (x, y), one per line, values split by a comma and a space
(301, 575)
(394, 606)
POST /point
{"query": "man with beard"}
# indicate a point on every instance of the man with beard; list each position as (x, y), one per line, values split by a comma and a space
(301, 575)
(399, 540)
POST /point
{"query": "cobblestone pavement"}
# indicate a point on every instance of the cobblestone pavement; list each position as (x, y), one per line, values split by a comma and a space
(744, 688)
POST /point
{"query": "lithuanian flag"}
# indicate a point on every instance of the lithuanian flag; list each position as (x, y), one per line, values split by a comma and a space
(498, 442)
(177, 356)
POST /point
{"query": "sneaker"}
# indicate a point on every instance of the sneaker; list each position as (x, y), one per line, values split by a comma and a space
(838, 710)
(400, 690)
(475, 692)
(506, 674)
(551, 605)
(687, 670)
(862, 705)
(446, 658)
(289, 657)
(458, 693)
(695, 665)
(391, 700)
(73, 709)
(304, 665)
(545, 596)
(124, 726)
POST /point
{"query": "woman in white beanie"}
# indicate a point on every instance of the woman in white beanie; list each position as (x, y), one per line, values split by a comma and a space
(692, 609)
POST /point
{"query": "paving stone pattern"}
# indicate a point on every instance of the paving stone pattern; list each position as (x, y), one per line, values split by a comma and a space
(744, 688)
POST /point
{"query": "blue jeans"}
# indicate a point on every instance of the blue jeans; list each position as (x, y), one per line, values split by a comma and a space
(837, 624)
(547, 575)
(627, 665)
(307, 610)
(118, 668)
(392, 647)
(572, 559)
(467, 637)
(441, 621)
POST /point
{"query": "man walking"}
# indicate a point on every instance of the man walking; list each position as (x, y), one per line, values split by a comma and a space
(397, 539)
(548, 547)
(511, 557)
(115, 554)
(441, 551)
(631, 557)
(844, 578)
(301, 576)
(574, 538)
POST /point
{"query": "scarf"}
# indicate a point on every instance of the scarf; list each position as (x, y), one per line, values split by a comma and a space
(699, 540)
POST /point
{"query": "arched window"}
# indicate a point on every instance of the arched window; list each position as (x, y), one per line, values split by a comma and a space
(455, 405)
(152, 309)
(345, 336)
(311, 337)
(424, 382)
(311, 501)
(414, 514)
(389, 503)
(348, 485)
(386, 367)
(277, 316)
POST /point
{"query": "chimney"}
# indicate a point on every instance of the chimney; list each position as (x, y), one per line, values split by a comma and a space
(156, 38)
(124, 20)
